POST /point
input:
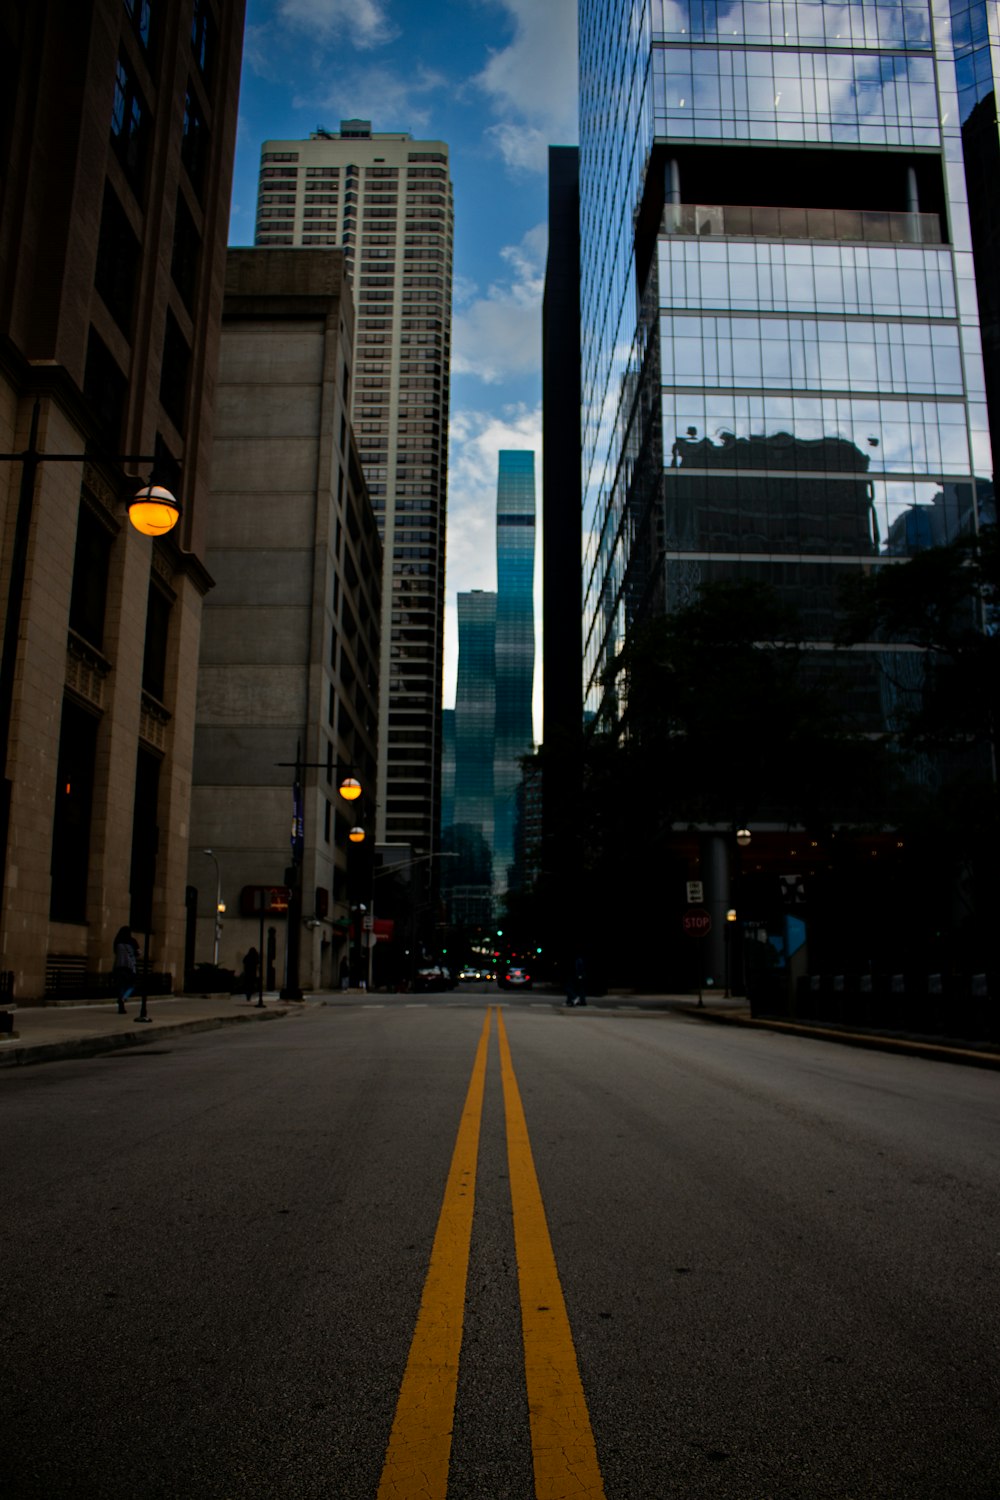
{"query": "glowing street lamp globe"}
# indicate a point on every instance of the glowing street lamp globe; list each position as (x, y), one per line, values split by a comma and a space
(154, 511)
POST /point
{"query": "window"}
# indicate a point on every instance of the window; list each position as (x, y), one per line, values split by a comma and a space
(129, 126)
(145, 837)
(117, 262)
(106, 389)
(203, 38)
(174, 372)
(194, 143)
(184, 260)
(154, 661)
(90, 578)
(72, 814)
(140, 14)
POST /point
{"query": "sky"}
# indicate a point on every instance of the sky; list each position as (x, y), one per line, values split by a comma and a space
(496, 80)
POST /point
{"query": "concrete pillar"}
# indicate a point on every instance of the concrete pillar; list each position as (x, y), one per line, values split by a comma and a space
(715, 874)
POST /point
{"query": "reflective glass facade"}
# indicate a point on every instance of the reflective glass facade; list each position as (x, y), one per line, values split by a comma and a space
(515, 647)
(468, 880)
(782, 356)
(493, 710)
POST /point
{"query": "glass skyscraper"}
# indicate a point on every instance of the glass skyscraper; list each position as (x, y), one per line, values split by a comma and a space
(782, 359)
(468, 880)
(515, 649)
(493, 708)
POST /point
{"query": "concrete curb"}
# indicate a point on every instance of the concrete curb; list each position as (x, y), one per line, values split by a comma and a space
(874, 1041)
(92, 1046)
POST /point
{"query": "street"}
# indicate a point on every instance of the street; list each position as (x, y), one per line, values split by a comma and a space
(767, 1267)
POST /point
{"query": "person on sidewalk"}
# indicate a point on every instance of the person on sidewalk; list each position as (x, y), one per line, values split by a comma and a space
(251, 961)
(576, 990)
(123, 973)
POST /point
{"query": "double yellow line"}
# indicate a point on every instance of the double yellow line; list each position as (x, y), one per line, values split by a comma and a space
(562, 1442)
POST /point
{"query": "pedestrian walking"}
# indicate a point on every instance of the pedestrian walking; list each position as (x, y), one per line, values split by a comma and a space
(576, 989)
(251, 967)
(124, 970)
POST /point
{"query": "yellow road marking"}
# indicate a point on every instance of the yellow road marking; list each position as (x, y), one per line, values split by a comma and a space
(416, 1461)
(562, 1442)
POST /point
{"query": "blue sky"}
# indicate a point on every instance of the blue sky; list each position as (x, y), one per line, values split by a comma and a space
(496, 79)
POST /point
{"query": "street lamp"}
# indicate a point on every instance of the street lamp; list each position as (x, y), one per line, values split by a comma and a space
(153, 510)
(350, 790)
(219, 908)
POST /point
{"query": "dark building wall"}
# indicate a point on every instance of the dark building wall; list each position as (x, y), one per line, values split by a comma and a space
(561, 558)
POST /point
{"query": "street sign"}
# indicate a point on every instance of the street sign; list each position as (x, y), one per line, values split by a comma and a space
(695, 892)
(697, 922)
(258, 898)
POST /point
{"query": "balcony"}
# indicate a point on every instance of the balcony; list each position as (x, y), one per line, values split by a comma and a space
(858, 225)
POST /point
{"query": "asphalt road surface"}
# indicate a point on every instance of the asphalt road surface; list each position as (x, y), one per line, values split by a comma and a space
(410, 1251)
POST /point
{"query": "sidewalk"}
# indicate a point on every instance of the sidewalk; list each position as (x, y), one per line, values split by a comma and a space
(49, 1033)
(736, 1012)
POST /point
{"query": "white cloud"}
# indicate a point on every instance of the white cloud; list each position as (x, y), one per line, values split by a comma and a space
(476, 438)
(396, 101)
(532, 83)
(524, 148)
(498, 335)
(364, 23)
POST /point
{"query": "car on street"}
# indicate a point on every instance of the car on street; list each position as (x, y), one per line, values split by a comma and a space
(513, 976)
(470, 972)
(433, 977)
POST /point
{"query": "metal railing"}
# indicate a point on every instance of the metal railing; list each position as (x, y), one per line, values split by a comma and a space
(867, 225)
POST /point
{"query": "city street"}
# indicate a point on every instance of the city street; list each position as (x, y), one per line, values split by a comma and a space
(767, 1267)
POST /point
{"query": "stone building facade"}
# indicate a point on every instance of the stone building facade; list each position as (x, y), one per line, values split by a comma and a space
(117, 132)
(290, 645)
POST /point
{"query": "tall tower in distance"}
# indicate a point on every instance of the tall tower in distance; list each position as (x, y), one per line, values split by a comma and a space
(514, 650)
(470, 834)
(493, 728)
(386, 199)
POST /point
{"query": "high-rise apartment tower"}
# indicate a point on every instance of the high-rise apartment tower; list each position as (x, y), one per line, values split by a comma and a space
(387, 200)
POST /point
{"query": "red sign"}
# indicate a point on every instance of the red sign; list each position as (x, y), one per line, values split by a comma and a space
(270, 898)
(697, 922)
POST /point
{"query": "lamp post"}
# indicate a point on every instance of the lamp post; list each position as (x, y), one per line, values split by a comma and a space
(218, 904)
(735, 975)
(153, 511)
(350, 790)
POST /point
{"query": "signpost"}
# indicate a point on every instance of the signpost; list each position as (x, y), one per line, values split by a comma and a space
(697, 922)
(261, 899)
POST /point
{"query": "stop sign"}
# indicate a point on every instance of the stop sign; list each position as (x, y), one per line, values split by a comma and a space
(697, 922)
